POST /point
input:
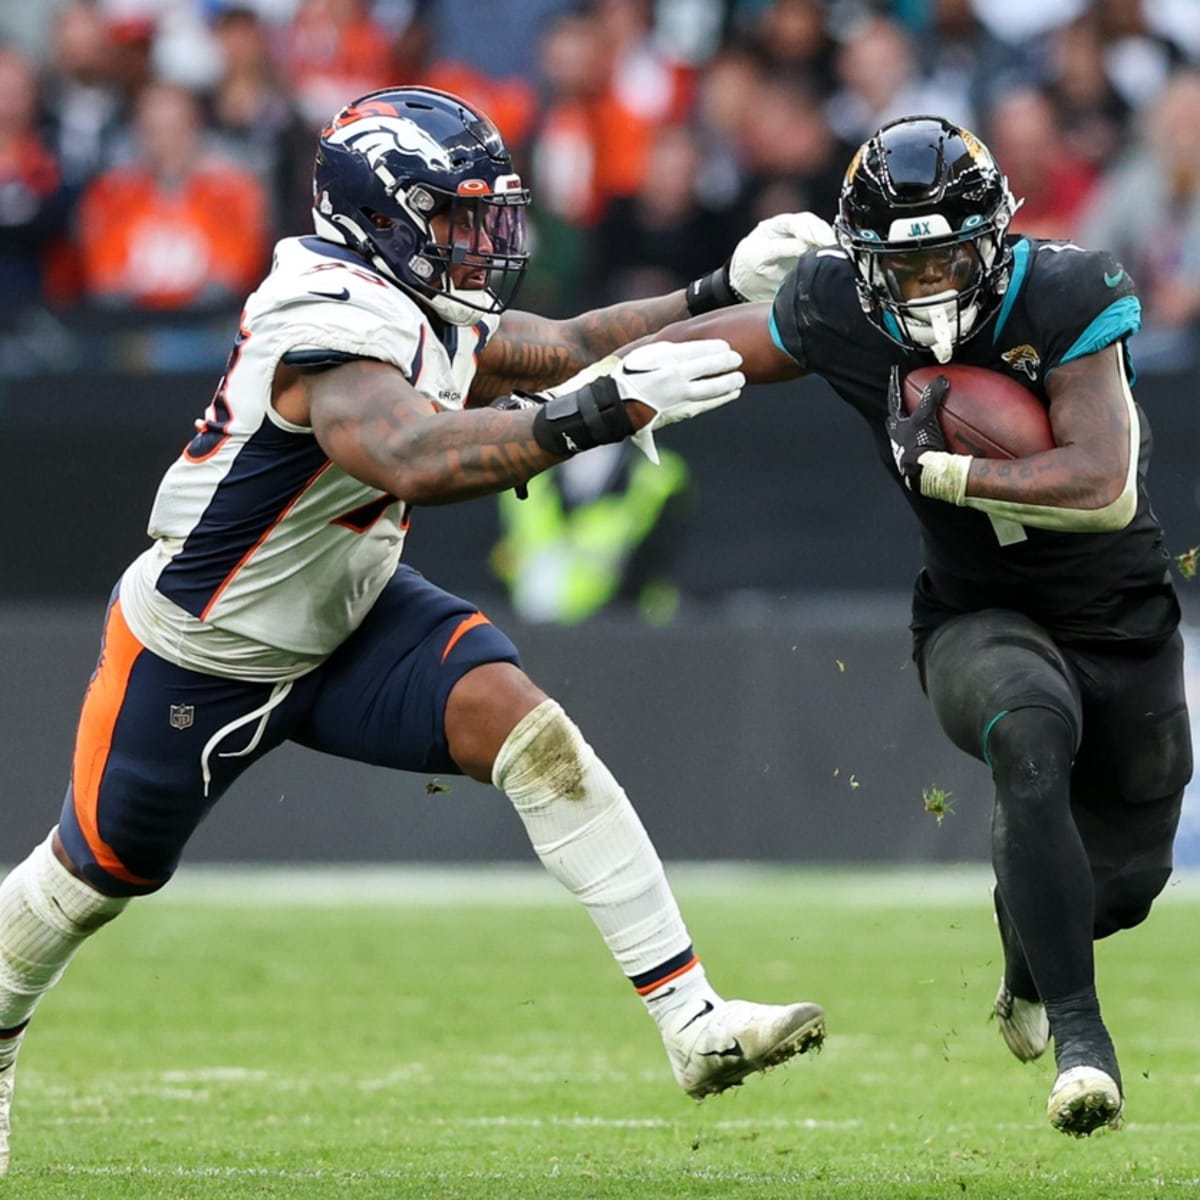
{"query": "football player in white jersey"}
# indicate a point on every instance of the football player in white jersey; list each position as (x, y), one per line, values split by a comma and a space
(376, 369)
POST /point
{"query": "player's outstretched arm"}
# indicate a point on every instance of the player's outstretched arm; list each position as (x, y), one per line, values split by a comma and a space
(529, 352)
(747, 329)
(532, 352)
(378, 428)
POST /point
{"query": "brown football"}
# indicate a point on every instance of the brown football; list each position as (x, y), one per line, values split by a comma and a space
(985, 413)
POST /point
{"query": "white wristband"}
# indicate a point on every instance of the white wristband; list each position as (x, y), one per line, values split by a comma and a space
(944, 476)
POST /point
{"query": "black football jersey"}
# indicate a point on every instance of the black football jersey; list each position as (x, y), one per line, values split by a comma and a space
(1062, 302)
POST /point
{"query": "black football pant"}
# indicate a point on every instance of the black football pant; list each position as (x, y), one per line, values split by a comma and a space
(1090, 750)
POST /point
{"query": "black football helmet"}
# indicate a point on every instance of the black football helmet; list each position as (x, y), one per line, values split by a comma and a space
(391, 161)
(923, 198)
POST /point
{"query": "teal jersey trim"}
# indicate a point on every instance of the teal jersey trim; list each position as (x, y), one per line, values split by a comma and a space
(1120, 319)
(1019, 270)
(774, 328)
(893, 327)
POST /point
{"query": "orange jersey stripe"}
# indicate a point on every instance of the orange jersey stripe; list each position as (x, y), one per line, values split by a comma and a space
(464, 626)
(653, 987)
(93, 739)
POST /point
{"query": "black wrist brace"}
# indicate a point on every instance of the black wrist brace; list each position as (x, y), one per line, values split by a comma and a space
(593, 416)
(711, 291)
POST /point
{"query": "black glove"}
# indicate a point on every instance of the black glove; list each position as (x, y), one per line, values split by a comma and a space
(912, 435)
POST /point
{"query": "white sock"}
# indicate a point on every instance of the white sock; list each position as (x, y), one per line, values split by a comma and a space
(685, 990)
(589, 838)
(46, 913)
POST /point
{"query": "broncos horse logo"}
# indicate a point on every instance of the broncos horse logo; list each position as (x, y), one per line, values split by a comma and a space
(376, 129)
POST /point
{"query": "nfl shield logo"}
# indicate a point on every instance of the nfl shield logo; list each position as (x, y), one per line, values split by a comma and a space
(182, 715)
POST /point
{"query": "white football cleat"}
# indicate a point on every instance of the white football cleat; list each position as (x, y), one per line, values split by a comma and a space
(1022, 1023)
(715, 1045)
(1083, 1100)
(6, 1087)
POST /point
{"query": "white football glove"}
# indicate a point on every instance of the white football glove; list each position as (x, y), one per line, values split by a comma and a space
(679, 380)
(770, 250)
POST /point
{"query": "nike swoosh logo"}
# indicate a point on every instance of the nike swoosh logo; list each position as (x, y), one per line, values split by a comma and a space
(637, 370)
(661, 996)
(734, 1051)
(1112, 280)
(708, 1007)
(344, 294)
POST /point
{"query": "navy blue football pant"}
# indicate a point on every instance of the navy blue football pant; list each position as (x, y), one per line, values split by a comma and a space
(158, 745)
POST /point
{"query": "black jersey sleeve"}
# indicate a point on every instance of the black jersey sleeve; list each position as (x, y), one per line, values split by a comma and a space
(816, 311)
(1080, 301)
(788, 316)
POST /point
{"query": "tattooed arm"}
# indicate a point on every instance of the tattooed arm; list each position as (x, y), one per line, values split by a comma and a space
(1096, 430)
(377, 427)
(532, 352)
(1087, 483)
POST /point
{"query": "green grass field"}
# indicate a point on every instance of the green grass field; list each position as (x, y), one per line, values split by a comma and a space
(443, 1035)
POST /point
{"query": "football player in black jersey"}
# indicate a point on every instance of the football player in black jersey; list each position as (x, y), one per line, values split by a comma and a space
(1045, 622)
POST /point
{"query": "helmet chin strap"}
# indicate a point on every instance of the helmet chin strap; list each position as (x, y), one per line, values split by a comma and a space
(937, 324)
(456, 311)
(447, 305)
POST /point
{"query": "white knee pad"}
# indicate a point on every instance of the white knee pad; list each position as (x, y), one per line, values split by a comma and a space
(46, 913)
(545, 756)
(562, 791)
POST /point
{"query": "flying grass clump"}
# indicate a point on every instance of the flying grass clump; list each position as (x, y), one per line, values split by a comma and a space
(937, 802)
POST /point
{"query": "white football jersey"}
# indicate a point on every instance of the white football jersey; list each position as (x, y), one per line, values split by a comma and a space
(266, 554)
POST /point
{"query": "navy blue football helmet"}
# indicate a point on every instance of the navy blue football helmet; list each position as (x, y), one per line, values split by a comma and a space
(391, 162)
(925, 197)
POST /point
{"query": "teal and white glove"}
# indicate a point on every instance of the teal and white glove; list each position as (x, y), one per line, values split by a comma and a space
(760, 262)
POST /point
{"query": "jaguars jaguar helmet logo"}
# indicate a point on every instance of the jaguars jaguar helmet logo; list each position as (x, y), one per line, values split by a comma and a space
(1023, 358)
(978, 151)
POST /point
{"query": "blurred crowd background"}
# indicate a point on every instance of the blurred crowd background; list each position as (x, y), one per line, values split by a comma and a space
(151, 151)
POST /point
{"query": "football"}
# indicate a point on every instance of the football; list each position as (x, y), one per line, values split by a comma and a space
(985, 413)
